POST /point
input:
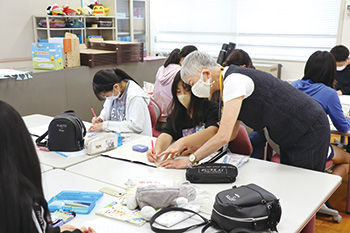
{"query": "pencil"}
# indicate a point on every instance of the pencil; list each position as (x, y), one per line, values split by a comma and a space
(153, 151)
(93, 112)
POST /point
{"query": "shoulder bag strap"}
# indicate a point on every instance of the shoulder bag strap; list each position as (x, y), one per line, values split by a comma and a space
(39, 142)
(159, 230)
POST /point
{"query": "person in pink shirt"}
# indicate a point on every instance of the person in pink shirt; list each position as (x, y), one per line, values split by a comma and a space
(164, 80)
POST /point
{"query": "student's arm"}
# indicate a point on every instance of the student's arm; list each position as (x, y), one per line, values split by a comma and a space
(163, 141)
(195, 140)
(335, 112)
(137, 110)
(228, 130)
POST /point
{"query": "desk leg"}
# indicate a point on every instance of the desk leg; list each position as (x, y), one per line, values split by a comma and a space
(310, 227)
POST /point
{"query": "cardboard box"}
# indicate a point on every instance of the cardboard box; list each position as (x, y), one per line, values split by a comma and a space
(71, 50)
(47, 56)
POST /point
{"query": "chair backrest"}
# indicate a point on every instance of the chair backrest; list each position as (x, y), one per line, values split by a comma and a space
(241, 144)
(277, 159)
(154, 111)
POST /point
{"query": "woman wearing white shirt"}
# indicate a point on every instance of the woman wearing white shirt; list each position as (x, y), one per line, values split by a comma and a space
(294, 120)
(125, 109)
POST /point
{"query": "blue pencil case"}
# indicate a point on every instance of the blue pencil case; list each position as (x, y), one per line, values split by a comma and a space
(74, 201)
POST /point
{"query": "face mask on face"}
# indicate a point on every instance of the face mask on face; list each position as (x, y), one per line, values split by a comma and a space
(113, 97)
(184, 100)
(341, 68)
(201, 89)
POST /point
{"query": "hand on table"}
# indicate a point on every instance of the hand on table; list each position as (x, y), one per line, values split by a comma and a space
(96, 127)
(96, 120)
(87, 230)
(152, 157)
(175, 163)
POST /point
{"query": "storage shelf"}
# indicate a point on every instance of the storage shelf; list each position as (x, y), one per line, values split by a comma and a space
(98, 28)
(108, 33)
(60, 29)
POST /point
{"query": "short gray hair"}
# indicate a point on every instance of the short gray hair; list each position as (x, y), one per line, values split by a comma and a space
(195, 62)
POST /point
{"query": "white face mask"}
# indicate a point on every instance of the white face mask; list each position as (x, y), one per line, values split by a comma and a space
(201, 89)
(113, 97)
(184, 100)
(341, 68)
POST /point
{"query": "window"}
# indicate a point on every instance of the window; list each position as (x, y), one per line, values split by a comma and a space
(269, 29)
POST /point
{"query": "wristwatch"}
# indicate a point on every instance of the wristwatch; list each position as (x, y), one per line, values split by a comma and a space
(192, 159)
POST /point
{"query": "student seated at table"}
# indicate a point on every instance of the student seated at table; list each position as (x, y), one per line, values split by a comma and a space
(341, 55)
(294, 120)
(318, 80)
(23, 206)
(192, 121)
(164, 80)
(125, 109)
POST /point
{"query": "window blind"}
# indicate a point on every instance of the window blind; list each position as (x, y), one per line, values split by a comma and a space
(269, 29)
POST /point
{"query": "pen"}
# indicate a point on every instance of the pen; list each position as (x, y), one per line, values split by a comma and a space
(127, 160)
(61, 154)
(93, 112)
(153, 151)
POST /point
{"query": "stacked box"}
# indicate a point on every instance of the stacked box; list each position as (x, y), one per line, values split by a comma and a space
(94, 57)
(126, 51)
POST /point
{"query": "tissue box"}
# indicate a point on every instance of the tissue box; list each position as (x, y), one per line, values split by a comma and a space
(47, 56)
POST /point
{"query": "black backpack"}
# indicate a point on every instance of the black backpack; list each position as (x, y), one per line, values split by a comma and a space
(248, 208)
(66, 133)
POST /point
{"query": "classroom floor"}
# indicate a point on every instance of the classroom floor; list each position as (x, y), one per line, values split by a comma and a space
(338, 201)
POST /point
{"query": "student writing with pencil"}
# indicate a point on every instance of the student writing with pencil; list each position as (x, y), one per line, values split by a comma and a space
(125, 109)
(192, 120)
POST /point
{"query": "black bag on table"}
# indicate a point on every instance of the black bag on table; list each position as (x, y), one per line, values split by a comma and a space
(248, 208)
(212, 173)
(66, 133)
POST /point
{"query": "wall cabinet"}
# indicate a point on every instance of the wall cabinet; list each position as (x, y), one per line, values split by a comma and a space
(81, 25)
(132, 21)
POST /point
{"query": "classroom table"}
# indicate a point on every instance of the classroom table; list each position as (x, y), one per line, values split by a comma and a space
(57, 180)
(45, 168)
(301, 191)
(53, 159)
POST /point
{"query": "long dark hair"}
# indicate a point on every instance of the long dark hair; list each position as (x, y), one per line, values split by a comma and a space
(174, 58)
(104, 80)
(196, 106)
(321, 68)
(20, 173)
(238, 57)
(187, 50)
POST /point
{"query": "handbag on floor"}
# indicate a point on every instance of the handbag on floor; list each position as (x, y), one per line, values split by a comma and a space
(66, 133)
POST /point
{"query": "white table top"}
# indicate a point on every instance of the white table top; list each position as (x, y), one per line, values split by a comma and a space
(53, 159)
(45, 168)
(301, 191)
(57, 180)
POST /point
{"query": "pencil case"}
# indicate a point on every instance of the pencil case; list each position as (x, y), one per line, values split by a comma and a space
(99, 143)
(74, 201)
(212, 173)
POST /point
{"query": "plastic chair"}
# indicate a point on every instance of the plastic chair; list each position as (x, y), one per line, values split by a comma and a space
(155, 112)
(241, 144)
(336, 217)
